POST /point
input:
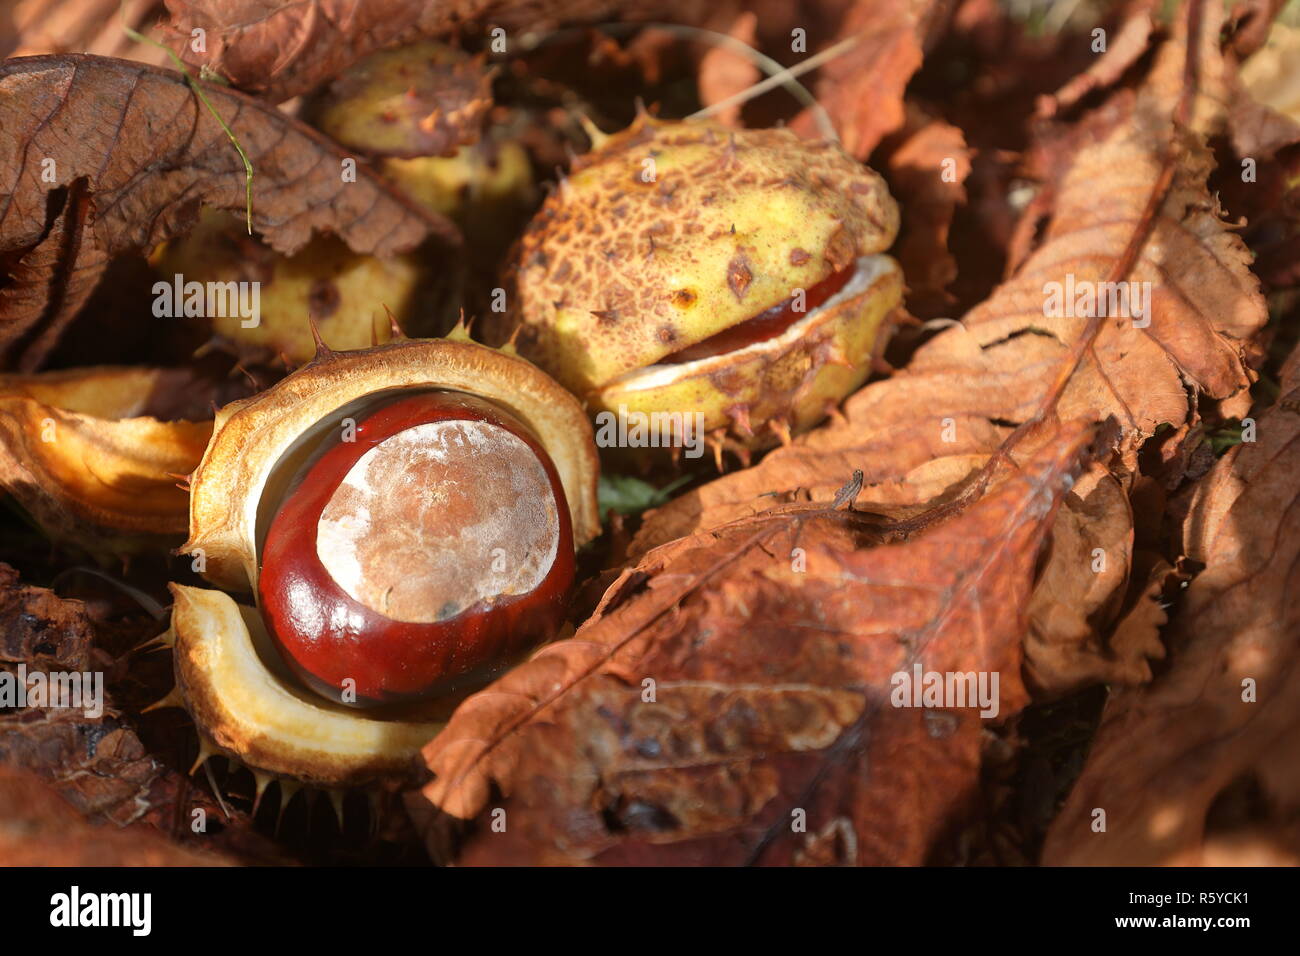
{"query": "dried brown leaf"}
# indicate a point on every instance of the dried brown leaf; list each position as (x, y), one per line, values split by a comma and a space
(927, 163)
(920, 435)
(99, 157)
(1204, 301)
(280, 49)
(862, 89)
(771, 693)
(1079, 596)
(935, 421)
(95, 762)
(1188, 767)
(39, 828)
(724, 72)
(38, 628)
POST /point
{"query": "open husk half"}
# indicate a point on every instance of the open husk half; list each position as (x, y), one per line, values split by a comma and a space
(81, 456)
(245, 710)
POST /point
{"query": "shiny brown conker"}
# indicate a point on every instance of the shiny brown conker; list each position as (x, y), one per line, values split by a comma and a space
(421, 545)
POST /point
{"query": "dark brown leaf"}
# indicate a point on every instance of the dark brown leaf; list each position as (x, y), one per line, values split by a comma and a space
(38, 628)
(99, 157)
(1200, 767)
(280, 49)
(95, 762)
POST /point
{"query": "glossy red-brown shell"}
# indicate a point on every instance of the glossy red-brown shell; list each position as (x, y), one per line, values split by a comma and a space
(328, 637)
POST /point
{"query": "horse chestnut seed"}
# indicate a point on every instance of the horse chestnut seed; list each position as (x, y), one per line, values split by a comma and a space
(419, 553)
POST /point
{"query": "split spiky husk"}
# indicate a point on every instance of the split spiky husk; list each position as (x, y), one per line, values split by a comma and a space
(671, 232)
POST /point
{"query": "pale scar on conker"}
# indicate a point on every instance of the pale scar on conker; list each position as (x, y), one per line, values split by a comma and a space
(406, 517)
(744, 280)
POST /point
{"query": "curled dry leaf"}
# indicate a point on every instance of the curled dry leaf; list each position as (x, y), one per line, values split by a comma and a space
(1175, 764)
(82, 455)
(279, 50)
(42, 829)
(740, 680)
(1131, 42)
(1078, 596)
(929, 426)
(934, 422)
(101, 156)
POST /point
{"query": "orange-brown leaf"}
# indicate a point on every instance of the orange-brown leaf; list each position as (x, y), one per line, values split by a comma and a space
(862, 89)
(724, 72)
(926, 163)
(41, 829)
(919, 436)
(771, 648)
